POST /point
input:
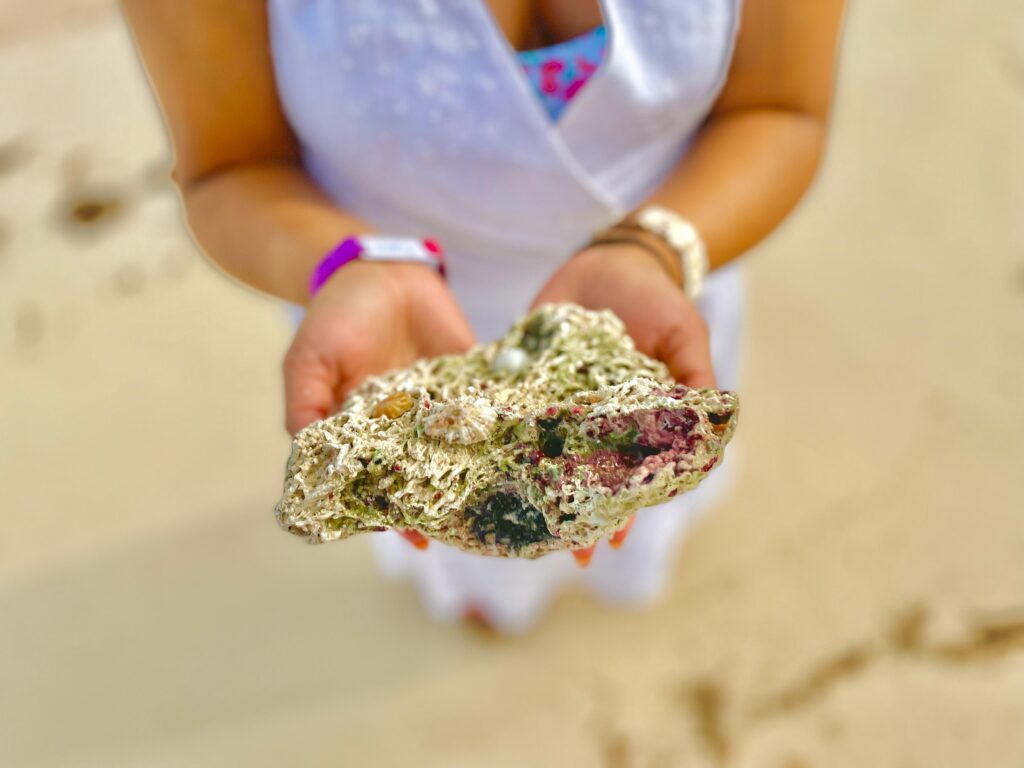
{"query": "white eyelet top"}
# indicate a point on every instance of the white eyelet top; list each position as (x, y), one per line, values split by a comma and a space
(417, 116)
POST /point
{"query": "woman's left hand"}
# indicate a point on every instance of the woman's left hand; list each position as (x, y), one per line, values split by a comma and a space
(663, 323)
(661, 320)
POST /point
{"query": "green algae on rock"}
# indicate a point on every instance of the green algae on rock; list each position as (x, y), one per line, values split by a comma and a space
(548, 439)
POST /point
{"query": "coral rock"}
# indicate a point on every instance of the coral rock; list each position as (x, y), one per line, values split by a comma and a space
(509, 460)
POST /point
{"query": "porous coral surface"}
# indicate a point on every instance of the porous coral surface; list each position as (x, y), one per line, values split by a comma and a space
(548, 439)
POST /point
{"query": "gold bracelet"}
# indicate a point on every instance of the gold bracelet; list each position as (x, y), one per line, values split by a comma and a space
(682, 237)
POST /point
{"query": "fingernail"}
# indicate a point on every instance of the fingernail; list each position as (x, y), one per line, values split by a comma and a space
(620, 535)
(583, 556)
(415, 538)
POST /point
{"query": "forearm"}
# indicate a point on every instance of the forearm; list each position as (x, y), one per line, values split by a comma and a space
(266, 224)
(745, 172)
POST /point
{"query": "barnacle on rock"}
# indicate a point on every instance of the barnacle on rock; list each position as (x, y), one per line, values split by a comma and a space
(554, 452)
(463, 420)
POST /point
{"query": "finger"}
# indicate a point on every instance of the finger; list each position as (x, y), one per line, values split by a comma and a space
(415, 538)
(561, 287)
(551, 294)
(446, 335)
(620, 535)
(308, 387)
(584, 556)
(685, 349)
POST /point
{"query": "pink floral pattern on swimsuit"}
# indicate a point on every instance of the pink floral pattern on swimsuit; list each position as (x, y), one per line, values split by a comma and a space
(558, 72)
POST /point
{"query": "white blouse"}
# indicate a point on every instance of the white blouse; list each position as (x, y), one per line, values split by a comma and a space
(416, 116)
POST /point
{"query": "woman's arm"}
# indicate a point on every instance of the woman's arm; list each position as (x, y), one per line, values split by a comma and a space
(249, 203)
(757, 153)
(750, 164)
(258, 215)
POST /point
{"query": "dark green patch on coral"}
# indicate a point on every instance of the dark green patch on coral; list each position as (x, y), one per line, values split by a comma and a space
(718, 419)
(536, 337)
(552, 438)
(505, 519)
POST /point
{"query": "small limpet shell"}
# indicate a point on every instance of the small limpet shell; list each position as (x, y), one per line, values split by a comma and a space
(462, 420)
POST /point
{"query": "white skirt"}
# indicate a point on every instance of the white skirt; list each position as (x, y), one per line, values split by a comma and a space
(513, 593)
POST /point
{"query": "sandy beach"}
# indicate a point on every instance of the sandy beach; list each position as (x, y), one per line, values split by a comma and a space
(857, 600)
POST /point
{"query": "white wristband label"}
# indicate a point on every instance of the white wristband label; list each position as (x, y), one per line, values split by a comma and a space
(394, 249)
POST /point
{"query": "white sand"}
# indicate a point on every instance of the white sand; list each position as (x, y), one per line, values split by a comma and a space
(859, 601)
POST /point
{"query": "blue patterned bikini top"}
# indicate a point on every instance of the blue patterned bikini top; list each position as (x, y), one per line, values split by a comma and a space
(558, 72)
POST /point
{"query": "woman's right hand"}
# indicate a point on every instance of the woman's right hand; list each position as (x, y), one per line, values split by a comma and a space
(368, 318)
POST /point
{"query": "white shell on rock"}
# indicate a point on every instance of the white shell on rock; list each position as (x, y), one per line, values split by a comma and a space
(463, 420)
(510, 360)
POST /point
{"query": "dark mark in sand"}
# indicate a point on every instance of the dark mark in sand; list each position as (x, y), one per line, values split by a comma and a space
(706, 700)
(817, 682)
(29, 325)
(89, 211)
(86, 210)
(615, 750)
(983, 640)
(128, 280)
(14, 154)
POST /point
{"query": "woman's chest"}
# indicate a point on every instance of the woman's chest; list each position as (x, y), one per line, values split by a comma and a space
(424, 103)
(440, 70)
(534, 23)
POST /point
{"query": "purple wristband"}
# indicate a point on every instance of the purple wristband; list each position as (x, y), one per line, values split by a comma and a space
(375, 248)
(347, 250)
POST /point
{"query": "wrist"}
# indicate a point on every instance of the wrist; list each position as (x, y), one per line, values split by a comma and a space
(387, 282)
(671, 239)
(648, 248)
(600, 271)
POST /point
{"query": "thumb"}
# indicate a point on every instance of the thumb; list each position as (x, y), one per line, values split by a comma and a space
(446, 334)
(308, 387)
(554, 292)
(685, 348)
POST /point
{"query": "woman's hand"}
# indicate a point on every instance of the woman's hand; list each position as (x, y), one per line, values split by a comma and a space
(368, 318)
(629, 281)
(662, 321)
